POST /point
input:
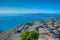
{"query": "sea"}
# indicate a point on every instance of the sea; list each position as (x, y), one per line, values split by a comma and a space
(11, 21)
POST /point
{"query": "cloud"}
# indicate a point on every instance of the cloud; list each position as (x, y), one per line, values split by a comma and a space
(20, 11)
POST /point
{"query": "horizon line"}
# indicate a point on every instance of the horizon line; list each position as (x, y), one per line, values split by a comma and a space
(25, 11)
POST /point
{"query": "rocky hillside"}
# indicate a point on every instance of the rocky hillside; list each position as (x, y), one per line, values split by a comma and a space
(49, 29)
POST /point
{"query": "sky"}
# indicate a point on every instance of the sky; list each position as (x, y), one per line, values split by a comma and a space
(29, 6)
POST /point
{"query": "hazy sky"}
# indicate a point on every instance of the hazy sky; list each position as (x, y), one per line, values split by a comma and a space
(29, 6)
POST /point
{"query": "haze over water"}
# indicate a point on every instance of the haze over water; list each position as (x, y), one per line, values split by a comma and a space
(8, 22)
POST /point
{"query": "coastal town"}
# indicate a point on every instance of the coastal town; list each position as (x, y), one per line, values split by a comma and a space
(48, 29)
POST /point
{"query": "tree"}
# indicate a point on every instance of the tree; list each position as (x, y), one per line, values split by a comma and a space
(29, 35)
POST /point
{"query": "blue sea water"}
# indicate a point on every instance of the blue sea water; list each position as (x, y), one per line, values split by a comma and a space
(8, 22)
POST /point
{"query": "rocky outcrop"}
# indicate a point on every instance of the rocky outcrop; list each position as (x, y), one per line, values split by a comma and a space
(48, 29)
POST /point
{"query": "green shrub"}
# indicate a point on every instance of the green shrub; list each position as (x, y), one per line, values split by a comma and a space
(29, 35)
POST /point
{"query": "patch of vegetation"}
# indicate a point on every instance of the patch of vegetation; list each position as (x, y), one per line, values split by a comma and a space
(29, 35)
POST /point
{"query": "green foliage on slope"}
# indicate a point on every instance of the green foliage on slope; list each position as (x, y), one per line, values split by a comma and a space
(29, 35)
